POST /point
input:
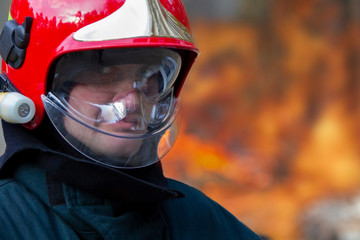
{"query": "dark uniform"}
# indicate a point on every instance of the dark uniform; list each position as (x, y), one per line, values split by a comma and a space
(47, 193)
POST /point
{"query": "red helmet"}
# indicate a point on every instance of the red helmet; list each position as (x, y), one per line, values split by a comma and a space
(107, 72)
(57, 27)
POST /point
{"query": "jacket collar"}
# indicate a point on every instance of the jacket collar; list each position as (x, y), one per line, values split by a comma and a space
(45, 146)
(90, 216)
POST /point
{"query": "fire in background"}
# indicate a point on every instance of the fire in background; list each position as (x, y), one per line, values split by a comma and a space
(271, 115)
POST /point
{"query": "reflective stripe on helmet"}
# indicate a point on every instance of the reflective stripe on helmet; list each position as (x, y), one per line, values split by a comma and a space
(136, 18)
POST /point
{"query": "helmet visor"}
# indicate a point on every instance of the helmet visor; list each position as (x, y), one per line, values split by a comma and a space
(114, 104)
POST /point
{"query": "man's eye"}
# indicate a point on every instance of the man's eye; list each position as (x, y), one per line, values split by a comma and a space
(152, 85)
(160, 82)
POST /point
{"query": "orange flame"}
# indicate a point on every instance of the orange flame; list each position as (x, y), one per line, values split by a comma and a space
(271, 116)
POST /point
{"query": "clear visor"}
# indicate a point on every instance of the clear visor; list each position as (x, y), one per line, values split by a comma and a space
(114, 105)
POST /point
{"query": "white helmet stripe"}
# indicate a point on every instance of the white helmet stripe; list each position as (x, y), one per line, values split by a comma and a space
(136, 18)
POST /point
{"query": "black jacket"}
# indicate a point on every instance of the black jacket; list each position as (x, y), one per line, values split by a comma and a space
(47, 191)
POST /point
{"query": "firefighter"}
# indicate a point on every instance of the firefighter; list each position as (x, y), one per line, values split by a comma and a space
(89, 107)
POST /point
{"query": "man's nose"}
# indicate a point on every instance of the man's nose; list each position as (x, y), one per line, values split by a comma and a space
(130, 99)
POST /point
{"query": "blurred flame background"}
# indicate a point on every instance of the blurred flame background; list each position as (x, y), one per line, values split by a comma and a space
(270, 109)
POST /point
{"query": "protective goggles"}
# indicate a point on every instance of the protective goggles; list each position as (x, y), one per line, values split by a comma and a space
(113, 104)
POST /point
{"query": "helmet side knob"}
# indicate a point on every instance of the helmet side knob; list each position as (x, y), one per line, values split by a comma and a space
(16, 108)
(14, 40)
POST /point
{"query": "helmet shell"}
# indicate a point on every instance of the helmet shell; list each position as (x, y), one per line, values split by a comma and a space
(55, 22)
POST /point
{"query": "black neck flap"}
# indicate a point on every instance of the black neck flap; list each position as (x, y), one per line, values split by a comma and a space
(45, 146)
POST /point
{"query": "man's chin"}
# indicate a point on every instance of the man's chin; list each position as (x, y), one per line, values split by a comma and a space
(118, 148)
